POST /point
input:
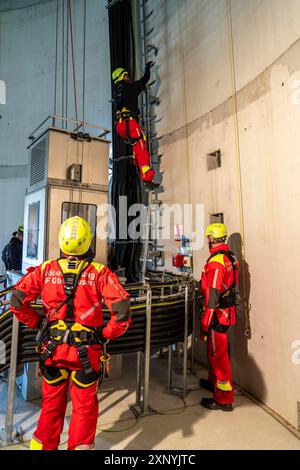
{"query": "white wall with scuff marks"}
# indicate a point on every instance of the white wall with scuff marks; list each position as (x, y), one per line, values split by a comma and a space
(193, 68)
(27, 66)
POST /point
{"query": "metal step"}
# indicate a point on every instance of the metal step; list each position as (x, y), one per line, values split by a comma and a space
(154, 100)
(147, 16)
(151, 47)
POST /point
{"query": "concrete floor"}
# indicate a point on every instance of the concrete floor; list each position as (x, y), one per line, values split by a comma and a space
(188, 426)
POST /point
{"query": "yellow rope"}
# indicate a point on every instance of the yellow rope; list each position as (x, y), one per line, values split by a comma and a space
(185, 109)
(238, 158)
(5, 314)
(184, 101)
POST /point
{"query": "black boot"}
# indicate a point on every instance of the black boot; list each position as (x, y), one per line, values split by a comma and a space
(150, 186)
(154, 183)
(211, 404)
(207, 385)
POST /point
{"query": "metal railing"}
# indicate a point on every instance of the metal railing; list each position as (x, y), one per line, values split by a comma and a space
(183, 288)
(70, 125)
(142, 406)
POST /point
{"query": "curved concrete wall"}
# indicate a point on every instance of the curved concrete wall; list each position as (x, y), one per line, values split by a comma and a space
(198, 117)
(27, 66)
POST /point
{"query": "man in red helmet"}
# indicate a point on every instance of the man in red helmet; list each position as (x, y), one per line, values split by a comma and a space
(126, 95)
(71, 335)
(219, 278)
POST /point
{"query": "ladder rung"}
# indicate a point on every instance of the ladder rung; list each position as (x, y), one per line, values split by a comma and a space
(154, 100)
(154, 254)
(153, 136)
(156, 201)
(155, 159)
(155, 166)
(148, 16)
(151, 47)
(157, 138)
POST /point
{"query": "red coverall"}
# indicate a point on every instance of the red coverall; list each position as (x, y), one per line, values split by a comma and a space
(64, 368)
(218, 275)
(132, 129)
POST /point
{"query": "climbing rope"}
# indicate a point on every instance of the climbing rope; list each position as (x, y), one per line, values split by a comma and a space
(67, 70)
(73, 57)
(184, 101)
(63, 63)
(56, 52)
(84, 64)
(247, 328)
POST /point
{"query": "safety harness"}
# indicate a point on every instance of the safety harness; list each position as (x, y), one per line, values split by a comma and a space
(126, 115)
(228, 298)
(52, 334)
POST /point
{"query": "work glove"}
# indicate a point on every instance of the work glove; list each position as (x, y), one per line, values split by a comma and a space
(203, 335)
(102, 338)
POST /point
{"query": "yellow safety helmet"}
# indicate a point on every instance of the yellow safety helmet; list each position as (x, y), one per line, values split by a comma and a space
(75, 236)
(118, 75)
(217, 231)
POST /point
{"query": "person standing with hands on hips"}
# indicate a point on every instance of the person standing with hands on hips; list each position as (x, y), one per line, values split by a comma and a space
(71, 336)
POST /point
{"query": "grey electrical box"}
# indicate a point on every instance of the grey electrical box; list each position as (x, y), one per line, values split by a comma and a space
(74, 172)
(52, 156)
(213, 160)
(217, 218)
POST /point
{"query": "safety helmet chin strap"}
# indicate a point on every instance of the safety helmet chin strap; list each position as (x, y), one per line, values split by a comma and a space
(216, 241)
(88, 255)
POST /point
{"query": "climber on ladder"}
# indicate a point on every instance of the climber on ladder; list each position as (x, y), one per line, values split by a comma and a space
(126, 95)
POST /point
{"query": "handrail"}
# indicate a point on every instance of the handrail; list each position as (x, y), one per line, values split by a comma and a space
(78, 124)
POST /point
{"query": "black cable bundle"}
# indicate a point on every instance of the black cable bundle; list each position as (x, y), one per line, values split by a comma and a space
(125, 175)
(167, 324)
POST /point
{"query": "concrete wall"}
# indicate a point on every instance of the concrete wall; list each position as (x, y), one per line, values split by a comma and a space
(257, 186)
(27, 66)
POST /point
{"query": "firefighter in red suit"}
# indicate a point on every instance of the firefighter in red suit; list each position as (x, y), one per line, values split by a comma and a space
(126, 95)
(71, 336)
(219, 278)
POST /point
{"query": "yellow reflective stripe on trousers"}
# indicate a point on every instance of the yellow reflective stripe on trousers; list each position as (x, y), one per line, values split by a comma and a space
(224, 386)
(145, 168)
(35, 444)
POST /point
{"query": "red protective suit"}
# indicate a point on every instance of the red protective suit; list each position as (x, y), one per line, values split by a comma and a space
(218, 276)
(64, 367)
(128, 129)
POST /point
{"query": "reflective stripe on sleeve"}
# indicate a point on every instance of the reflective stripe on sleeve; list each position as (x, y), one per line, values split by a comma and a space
(214, 284)
(89, 311)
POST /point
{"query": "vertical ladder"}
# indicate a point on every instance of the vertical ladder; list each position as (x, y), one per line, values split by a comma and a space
(150, 101)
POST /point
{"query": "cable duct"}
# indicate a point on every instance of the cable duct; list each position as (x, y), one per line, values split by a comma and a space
(125, 175)
(167, 321)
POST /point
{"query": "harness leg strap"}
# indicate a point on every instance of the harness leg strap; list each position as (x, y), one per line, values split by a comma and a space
(83, 356)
